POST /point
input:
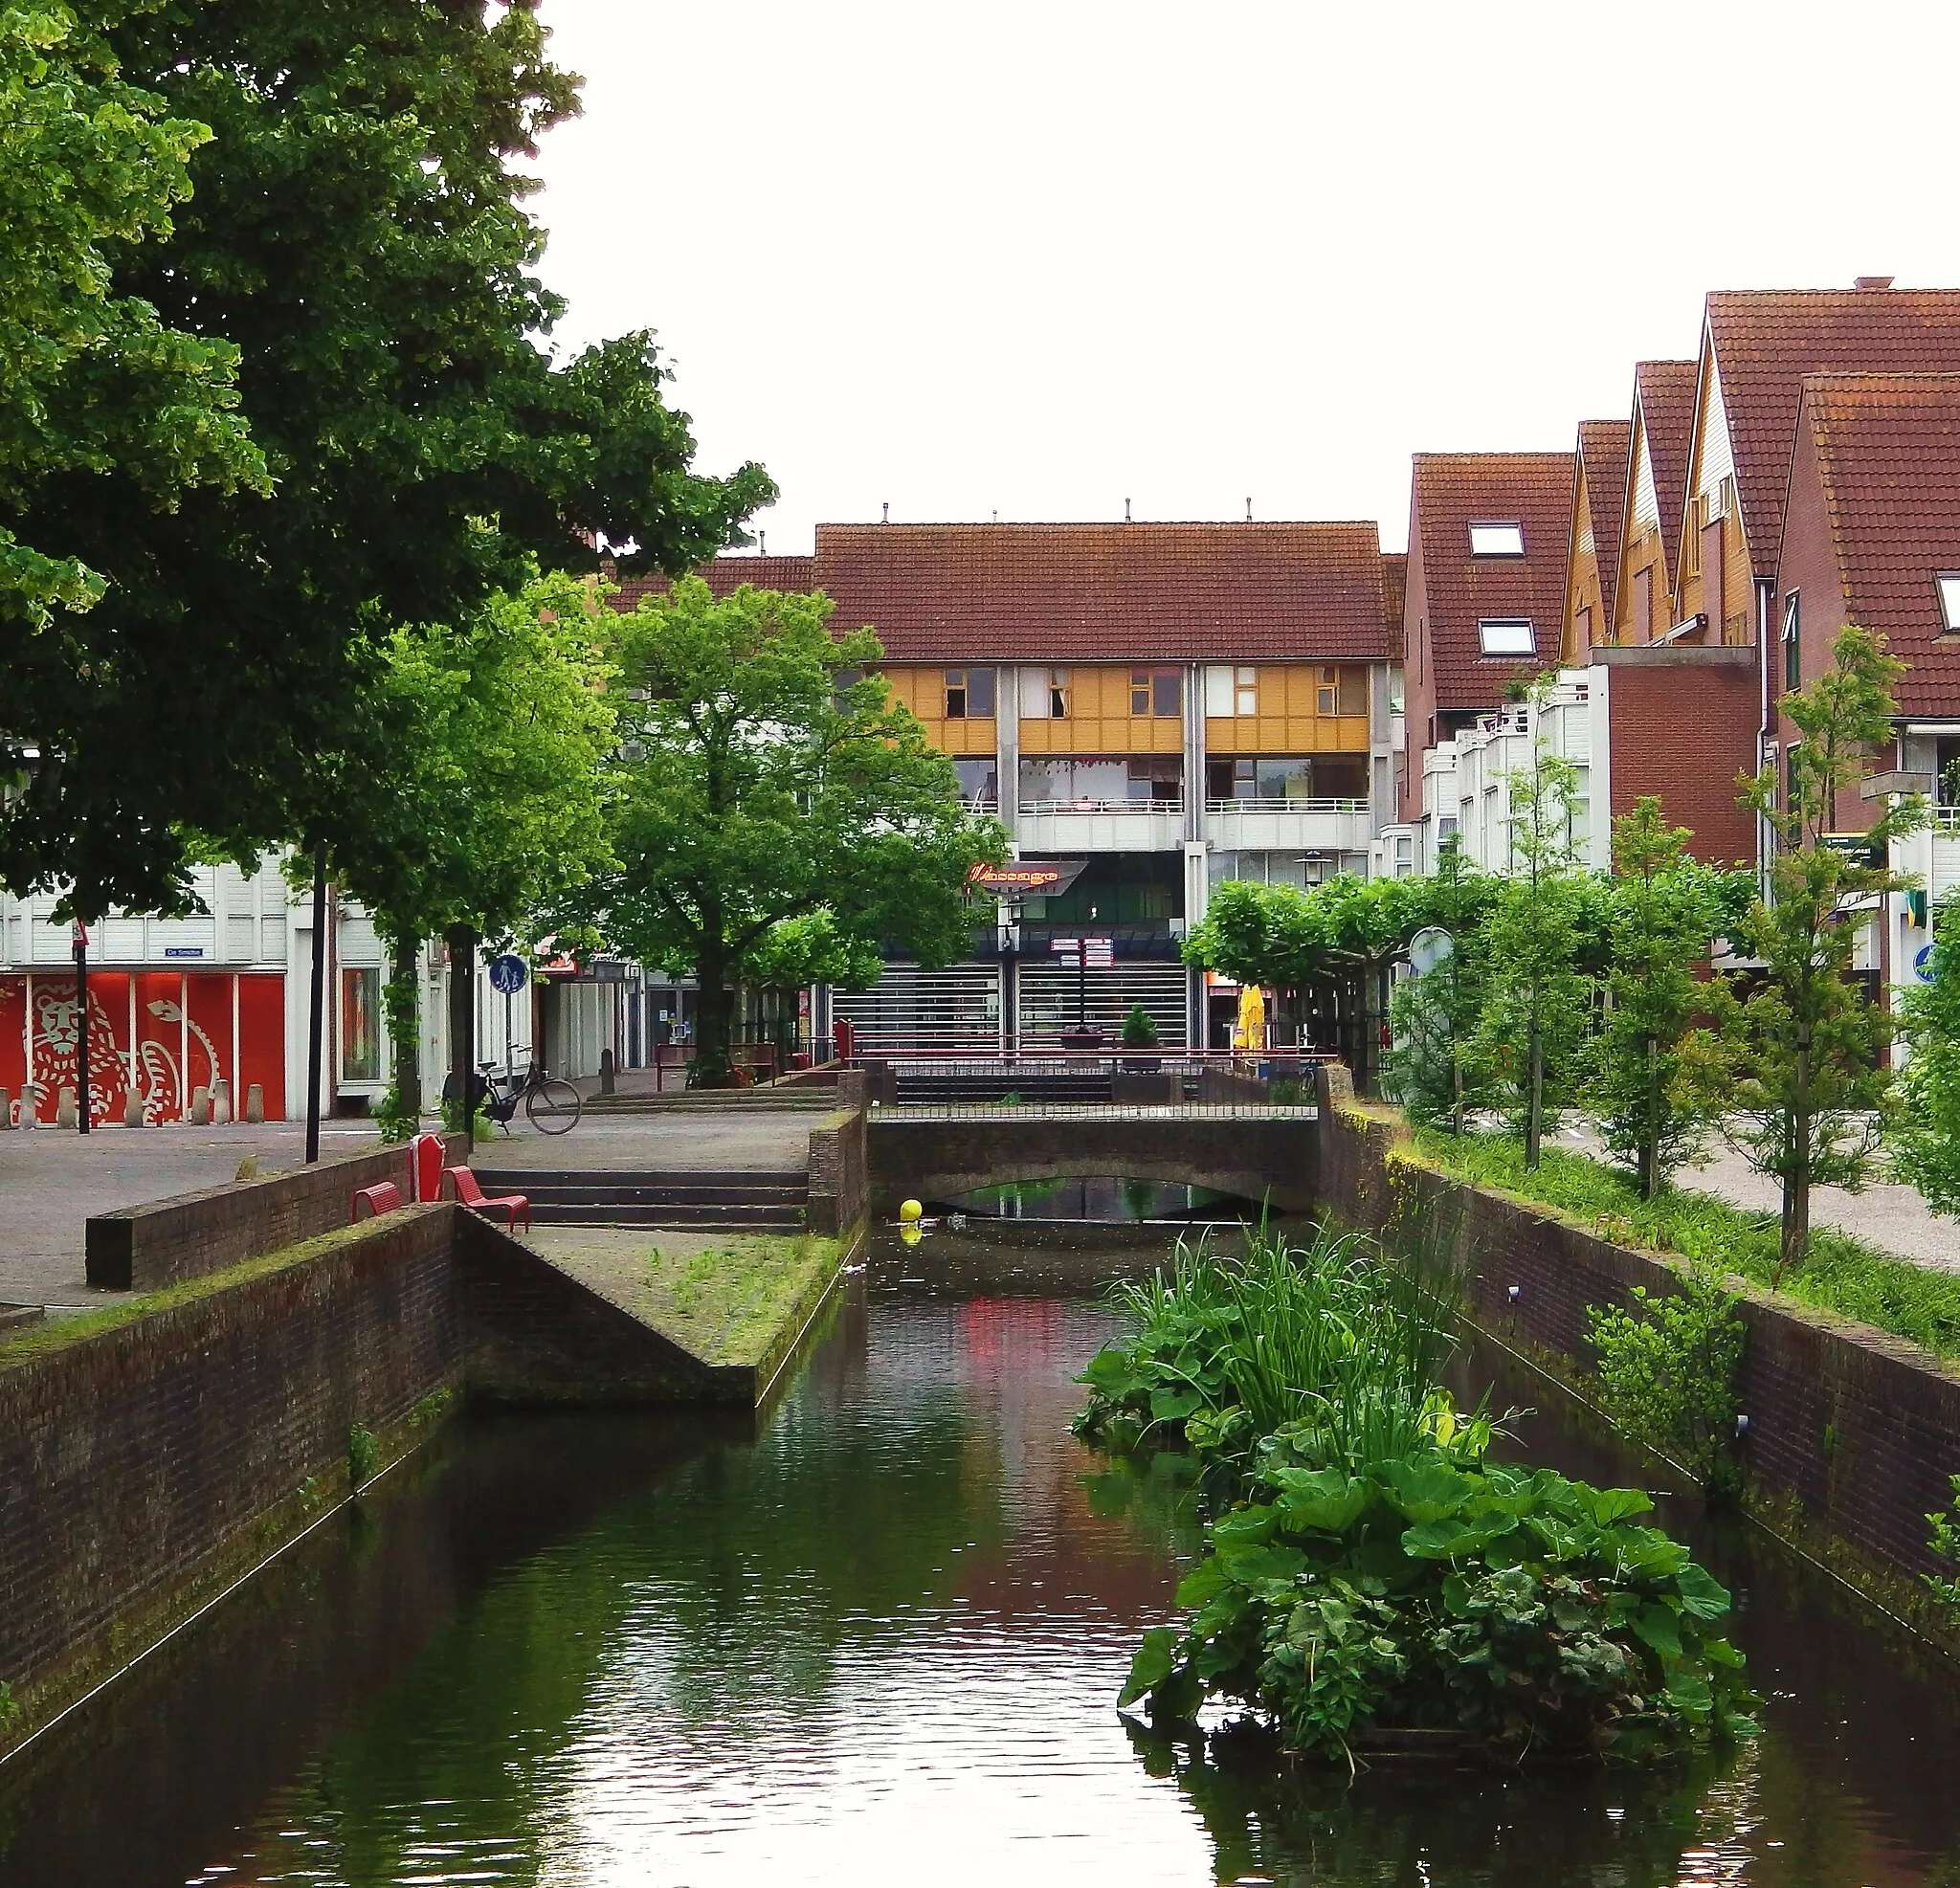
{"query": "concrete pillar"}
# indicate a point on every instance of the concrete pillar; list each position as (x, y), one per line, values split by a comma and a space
(132, 1106)
(67, 1109)
(254, 1104)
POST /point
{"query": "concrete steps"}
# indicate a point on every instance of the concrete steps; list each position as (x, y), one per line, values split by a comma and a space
(742, 1201)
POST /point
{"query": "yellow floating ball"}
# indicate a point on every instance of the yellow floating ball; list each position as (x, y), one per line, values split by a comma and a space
(911, 1210)
(911, 1234)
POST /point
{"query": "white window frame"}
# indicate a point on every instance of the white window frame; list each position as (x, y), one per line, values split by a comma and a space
(1524, 644)
(1947, 583)
(1511, 530)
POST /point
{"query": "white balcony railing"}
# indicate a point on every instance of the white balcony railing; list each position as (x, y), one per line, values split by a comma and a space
(1276, 825)
(1100, 826)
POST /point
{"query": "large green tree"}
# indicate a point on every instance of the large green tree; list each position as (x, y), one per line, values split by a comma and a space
(92, 380)
(1803, 1042)
(468, 798)
(763, 777)
(356, 230)
(1654, 1083)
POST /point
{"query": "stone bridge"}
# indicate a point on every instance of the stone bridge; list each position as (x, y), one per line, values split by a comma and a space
(935, 1154)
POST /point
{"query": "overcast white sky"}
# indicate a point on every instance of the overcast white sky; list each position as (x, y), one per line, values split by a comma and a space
(1036, 258)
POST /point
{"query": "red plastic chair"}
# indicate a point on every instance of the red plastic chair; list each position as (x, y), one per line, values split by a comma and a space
(513, 1204)
(383, 1197)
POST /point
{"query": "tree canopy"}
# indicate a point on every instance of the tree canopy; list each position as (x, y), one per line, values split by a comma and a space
(759, 783)
(357, 239)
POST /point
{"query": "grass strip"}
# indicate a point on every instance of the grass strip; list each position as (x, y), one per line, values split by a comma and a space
(1841, 1274)
(727, 1302)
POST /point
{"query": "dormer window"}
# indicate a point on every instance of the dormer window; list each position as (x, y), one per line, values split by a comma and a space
(1507, 636)
(1948, 582)
(1496, 539)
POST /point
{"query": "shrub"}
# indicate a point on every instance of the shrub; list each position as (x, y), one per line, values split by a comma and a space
(1140, 1028)
(364, 1454)
(1668, 1371)
(1945, 1540)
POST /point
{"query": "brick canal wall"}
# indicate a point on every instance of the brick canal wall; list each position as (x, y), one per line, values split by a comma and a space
(152, 1454)
(164, 1242)
(840, 1161)
(1851, 1432)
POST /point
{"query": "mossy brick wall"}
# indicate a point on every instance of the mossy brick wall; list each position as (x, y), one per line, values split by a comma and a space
(839, 1162)
(164, 1242)
(1861, 1430)
(130, 1457)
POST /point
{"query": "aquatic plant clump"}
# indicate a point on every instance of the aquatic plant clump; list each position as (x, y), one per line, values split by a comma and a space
(1501, 1608)
(1223, 1353)
(1375, 1582)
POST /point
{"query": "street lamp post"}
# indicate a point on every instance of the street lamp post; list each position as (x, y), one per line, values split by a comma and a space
(79, 942)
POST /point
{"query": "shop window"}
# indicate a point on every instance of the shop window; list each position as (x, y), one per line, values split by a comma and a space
(361, 1023)
(968, 694)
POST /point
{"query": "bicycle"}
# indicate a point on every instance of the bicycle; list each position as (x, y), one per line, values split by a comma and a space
(550, 1103)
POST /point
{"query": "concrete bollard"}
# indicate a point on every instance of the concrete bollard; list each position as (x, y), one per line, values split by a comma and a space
(132, 1106)
(67, 1109)
(254, 1104)
(221, 1101)
(25, 1110)
(6, 1115)
(200, 1106)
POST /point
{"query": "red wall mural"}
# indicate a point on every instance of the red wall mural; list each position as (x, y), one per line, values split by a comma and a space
(185, 1031)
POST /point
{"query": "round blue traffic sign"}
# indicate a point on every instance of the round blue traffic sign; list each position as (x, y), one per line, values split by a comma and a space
(1923, 964)
(509, 973)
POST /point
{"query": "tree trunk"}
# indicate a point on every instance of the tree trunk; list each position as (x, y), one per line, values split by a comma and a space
(405, 1026)
(461, 940)
(1650, 1138)
(1534, 1099)
(1796, 1182)
(714, 1016)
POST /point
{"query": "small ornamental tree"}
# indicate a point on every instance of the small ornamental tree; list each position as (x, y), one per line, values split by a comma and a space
(1430, 1070)
(758, 784)
(1656, 1079)
(1349, 931)
(1924, 1140)
(1803, 1043)
(1533, 1030)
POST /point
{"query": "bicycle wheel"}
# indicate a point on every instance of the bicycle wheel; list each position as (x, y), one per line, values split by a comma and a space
(553, 1106)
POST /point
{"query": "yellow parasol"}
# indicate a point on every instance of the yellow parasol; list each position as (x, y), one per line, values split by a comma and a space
(1250, 1032)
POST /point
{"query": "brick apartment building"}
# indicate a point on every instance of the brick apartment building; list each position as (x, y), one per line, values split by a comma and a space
(1164, 705)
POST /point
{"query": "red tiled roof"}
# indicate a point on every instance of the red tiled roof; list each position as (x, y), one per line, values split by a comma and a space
(1665, 391)
(1888, 447)
(1453, 489)
(1767, 341)
(1093, 593)
(725, 574)
(1394, 595)
(1604, 445)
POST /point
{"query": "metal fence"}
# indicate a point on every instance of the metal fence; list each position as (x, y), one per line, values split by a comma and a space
(1101, 1083)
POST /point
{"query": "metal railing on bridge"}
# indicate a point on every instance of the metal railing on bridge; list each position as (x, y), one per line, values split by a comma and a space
(1061, 1081)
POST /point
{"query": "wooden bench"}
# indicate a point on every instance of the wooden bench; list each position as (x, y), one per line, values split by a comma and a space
(383, 1197)
(514, 1205)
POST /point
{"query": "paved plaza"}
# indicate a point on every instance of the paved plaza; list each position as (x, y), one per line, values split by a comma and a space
(51, 1181)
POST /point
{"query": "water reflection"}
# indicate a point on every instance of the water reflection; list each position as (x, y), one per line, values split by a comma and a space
(879, 1642)
(1104, 1202)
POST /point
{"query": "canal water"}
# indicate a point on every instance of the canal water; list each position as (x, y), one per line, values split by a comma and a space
(876, 1637)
